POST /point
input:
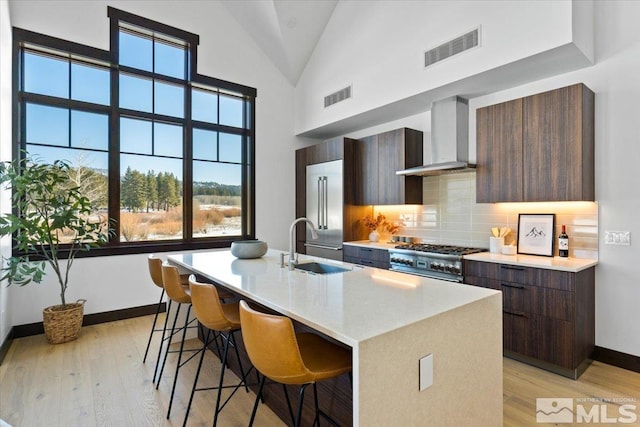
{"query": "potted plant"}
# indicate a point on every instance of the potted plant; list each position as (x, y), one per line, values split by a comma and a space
(51, 223)
(379, 223)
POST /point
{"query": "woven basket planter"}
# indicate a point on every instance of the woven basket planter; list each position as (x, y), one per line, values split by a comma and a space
(63, 325)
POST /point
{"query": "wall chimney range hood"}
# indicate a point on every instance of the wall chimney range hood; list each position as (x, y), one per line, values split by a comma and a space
(449, 139)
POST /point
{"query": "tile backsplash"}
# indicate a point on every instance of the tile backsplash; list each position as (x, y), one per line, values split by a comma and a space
(450, 215)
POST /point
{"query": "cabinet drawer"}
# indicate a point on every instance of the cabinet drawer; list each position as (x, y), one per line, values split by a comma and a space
(368, 257)
(482, 282)
(554, 341)
(553, 303)
(513, 273)
(482, 269)
(562, 280)
(359, 261)
(366, 253)
(516, 298)
(516, 332)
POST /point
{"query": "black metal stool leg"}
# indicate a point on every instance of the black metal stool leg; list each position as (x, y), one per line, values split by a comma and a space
(164, 332)
(224, 365)
(153, 327)
(255, 405)
(169, 338)
(315, 400)
(235, 346)
(300, 402)
(195, 381)
(286, 395)
(178, 365)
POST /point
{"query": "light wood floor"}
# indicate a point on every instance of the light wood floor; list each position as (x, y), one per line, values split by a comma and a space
(99, 380)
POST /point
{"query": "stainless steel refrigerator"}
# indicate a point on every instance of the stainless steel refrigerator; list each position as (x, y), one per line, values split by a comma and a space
(324, 208)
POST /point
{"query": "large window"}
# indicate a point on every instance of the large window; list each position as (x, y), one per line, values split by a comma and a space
(166, 152)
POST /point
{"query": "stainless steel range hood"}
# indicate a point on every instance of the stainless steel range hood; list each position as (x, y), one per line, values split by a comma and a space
(449, 139)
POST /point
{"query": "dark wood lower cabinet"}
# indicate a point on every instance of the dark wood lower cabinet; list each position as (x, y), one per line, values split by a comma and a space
(548, 315)
(553, 339)
(516, 329)
(335, 396)
(368, 257)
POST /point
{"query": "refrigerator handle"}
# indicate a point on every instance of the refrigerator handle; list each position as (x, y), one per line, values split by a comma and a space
(319, 201)
(322, 201)
(326, 202)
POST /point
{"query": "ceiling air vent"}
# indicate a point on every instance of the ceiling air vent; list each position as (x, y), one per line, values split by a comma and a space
(453, 47)
(338, 96)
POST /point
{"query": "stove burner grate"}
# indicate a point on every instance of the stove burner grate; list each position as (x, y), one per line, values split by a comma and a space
(440, 249)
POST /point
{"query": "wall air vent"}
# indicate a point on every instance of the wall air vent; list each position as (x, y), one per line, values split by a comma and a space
(338, 96)
(453, 47)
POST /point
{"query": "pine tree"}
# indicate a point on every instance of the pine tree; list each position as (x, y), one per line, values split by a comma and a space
(152, 190)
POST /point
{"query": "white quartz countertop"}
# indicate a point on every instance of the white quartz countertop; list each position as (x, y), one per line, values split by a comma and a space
(551, 263)
(350, 307)
(369, 244)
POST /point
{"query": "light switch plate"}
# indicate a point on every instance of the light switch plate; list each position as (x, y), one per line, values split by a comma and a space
(426, 372)
(617, 238)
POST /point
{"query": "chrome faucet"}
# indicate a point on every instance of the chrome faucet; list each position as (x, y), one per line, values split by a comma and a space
(292, 229)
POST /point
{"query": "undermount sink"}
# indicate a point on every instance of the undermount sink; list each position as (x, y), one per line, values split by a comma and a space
(318, 268)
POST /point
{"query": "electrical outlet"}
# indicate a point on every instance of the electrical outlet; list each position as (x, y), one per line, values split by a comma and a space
(426, 372)
(617, 238)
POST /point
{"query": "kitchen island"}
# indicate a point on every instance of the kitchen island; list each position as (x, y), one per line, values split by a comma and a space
(391, 321)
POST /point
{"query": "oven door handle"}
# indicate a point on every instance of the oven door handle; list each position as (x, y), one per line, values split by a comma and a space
(426, 274)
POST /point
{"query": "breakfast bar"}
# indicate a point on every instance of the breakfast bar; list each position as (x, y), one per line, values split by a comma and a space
(425, 351)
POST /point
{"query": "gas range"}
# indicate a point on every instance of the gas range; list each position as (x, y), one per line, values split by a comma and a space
(437, 261)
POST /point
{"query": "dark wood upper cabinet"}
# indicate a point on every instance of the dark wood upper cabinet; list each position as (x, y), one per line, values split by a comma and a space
(537, 148)
(380, 156)
(367, 171)
(499, 153)
(559, 145)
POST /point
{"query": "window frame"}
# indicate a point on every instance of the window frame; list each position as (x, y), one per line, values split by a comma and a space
(24, 39)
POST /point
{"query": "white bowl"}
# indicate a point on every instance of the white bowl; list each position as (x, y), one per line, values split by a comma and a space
(508, 250)
(246, 249)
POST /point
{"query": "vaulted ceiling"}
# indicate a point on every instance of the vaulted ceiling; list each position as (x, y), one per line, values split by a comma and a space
(286, 30)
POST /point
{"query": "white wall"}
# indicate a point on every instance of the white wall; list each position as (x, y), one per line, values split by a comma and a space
(378, 47)
(5, 152)
(225, 51)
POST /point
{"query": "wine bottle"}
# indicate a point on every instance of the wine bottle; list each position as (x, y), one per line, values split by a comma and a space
(563, 243)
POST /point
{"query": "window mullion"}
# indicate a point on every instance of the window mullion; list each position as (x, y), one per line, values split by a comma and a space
(114, 136)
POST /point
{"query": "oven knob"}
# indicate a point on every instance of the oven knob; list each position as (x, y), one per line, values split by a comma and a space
(450, 268)
(408, 262)
(434, 265)
(456, 270)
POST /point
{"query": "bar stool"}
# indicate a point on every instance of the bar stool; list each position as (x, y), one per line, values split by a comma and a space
(179, 295)
(155, 271)
(283, 356)
(223, 319)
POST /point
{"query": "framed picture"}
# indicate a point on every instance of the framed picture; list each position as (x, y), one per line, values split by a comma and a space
(536, 234)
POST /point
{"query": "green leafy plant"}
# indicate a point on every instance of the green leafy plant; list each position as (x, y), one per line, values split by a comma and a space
(51, 223)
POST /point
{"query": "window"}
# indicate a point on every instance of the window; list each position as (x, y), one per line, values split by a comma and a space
(166, 152)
